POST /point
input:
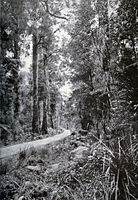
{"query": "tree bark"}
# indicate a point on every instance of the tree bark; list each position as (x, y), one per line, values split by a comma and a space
(16, 77)
(44, 122)
(51, 120)
(15, 71)
(44, 95)
(35, 121)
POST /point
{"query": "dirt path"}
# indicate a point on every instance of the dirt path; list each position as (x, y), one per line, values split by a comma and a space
(15, 149)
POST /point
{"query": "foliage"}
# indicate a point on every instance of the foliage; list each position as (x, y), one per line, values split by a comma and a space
(102, 56)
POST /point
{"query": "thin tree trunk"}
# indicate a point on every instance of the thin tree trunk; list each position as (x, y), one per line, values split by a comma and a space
(35, 121)
(15, 72)
(51, 119)
(16, 78)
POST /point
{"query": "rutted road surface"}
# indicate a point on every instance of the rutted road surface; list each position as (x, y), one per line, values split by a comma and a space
(6, 152)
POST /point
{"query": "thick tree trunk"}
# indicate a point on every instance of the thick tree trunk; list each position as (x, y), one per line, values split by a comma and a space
(44, 122)
(35, 121)
(44, 96)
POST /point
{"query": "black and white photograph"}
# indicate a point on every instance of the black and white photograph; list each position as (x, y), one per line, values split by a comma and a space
(68, 100)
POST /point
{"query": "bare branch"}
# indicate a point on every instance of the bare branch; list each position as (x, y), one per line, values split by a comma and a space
(41, 37)
(46, 7)
(56, 30)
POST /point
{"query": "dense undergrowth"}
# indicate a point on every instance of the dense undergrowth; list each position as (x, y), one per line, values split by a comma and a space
(103, 173)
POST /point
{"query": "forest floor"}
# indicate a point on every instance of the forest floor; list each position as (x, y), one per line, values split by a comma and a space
(43, 173)
(15, 149)
(62, 167)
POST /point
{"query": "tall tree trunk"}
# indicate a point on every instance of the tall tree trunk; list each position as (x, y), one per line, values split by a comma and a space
(16, 77)
(51, 120)
(44, 122)
(35, 121)
(15, 72)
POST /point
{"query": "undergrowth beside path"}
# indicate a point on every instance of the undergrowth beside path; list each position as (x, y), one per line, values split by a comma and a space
(75, 168)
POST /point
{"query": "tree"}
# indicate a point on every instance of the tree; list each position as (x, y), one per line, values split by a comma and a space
(43, 42)
(35, 122)
(11, 25)
(80, 46)
(109, 103)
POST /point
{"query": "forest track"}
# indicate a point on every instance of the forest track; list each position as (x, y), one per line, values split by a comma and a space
(9, 151)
